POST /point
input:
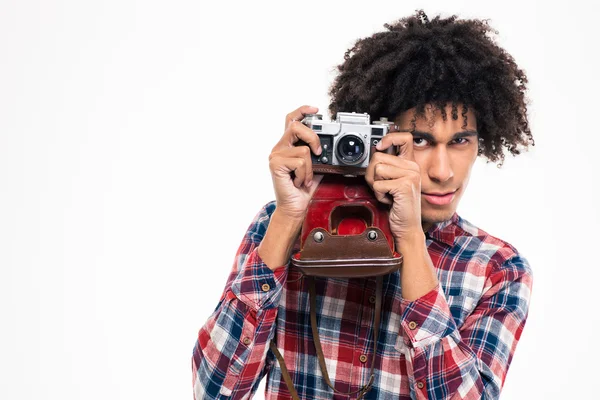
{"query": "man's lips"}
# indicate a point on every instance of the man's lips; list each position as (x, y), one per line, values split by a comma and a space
(439, 199)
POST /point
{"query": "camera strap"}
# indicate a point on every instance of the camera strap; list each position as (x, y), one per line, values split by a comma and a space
(319, 349)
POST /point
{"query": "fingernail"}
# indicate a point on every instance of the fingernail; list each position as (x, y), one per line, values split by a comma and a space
(319, 150)
(378, 147)
(309, 184)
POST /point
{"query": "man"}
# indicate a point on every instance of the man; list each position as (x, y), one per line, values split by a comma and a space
(453, 314)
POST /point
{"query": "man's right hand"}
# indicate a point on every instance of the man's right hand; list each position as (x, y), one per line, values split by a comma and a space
(291, 166)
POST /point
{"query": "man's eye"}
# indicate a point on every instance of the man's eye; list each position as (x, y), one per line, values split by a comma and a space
(419, 142)
(462, 141)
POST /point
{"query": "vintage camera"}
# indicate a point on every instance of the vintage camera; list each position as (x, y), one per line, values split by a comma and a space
(348, 142)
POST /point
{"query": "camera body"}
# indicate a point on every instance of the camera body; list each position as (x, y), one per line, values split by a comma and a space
(348, 142)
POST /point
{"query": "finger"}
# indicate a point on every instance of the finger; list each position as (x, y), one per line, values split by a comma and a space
(299, 171)
(381, 194)
(409, 185)
(404, 141)
(383, 158)
(299, 114)
(286, 166)
(376, 158)
(370, 171)
(302, 152)
(383, 197)
(297, 132)
(383, 189)
(312, 188)
(390, 173)
(386, 172)
(291, 152)
(308, 174)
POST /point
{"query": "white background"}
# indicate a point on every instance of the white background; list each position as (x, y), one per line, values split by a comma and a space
(134, 138)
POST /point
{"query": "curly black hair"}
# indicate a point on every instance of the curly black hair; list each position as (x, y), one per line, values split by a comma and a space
(417, 62)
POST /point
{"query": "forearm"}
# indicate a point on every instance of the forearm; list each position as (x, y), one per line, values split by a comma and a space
(229, 356)
(448, 369)
(439, 364)
(419, 281)
(276, 247)
(417, 275)
(230, 353)
(449, 358)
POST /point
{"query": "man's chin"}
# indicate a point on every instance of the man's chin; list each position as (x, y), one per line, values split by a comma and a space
(433, 217)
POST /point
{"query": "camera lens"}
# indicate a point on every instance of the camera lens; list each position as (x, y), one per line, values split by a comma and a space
(350, 149)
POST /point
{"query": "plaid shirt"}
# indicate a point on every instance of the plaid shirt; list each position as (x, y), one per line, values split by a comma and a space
(455, 342)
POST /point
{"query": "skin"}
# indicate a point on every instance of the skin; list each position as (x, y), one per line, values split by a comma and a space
(292, 195)
(441, 160)
(430, 160)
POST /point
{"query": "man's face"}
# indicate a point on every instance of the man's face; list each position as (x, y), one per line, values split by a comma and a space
(445, 153)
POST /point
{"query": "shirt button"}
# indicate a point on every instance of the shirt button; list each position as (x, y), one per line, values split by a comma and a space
(412, 325)
(247, 341)
(362, 358)
(372, 299)
(266, 287)
(420, 385)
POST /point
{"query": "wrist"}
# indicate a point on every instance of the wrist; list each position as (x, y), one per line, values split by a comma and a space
(418, 276)
(410, 242)
(294, 216)
(290, 221)
(279, 239)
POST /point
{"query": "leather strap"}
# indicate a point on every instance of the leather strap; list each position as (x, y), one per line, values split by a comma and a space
(284, 371)
(313, 322)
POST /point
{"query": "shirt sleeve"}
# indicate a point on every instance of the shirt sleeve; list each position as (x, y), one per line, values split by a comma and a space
(230, 354)
(471, 361)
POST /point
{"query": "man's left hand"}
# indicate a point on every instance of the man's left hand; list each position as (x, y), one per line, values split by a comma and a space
(396, 180)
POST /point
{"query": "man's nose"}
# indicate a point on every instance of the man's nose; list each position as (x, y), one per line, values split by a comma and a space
(440, 169)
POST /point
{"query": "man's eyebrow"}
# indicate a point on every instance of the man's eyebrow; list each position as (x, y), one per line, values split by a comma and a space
(430, 138)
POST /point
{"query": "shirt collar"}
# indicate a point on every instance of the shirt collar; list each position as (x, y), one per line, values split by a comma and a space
(445, 231)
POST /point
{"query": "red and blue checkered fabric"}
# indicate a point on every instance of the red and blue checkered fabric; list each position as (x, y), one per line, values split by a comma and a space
(455, 342)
